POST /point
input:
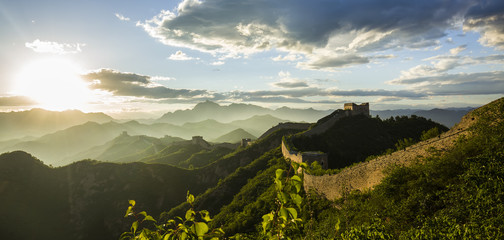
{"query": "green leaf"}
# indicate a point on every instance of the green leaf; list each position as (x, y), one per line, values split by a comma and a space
(167, 236)
(189, 216)
(200, 228)
(149, 218)
(293, 213)
(296, 199)
(303, 165)
(129, 211)
(205, 215)
(279, 174)
(266, 224)
(282, 197)
(297, 183)
(143, 213)
(190, 198)
(132, 203)
(295, 165)
(278, 185)
(183, 236)
(337, 226)
(134, 226)
(283, 213)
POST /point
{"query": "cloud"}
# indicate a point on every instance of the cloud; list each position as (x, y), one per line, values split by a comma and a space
(180, 56)
(288, 57)
(121, 17)
(329, 63)
(131, 84)
(487, 18)
(16, 101)
(481, 83)
(286, 81)
(321, 35)
(54, 47)
(457, 50)
(440, 65)
(217, 63)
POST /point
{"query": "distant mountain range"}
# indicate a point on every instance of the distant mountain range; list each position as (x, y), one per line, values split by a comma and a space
(62, 147)
(62, 136)
(37, 122)
(238, 111)
(447, 117)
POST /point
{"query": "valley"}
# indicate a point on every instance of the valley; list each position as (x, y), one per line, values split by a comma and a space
(141, 161)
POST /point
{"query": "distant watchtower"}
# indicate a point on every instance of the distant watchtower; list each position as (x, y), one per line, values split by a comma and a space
(245, 142)
(362, 109)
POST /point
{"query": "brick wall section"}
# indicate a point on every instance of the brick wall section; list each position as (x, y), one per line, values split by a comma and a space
(366, 175)
(306, 157)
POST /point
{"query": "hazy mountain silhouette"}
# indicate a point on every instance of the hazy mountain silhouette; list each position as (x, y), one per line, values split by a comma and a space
(447, 117)
(37, 122)
(126, 148)
(238, 111)
(258, 124)
(235, 136)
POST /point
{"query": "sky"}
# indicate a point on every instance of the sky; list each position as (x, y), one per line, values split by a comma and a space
(144, 58)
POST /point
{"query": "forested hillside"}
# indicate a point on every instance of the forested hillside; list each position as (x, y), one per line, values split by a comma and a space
(454, 194)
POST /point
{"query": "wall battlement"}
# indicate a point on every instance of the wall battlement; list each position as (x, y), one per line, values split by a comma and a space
(306, 157)
(357, 109)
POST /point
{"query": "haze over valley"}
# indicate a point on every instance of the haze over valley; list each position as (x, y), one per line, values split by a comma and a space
(251, 119)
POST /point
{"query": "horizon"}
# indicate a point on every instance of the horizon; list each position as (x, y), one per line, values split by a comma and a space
(148, 58)
(155, 115)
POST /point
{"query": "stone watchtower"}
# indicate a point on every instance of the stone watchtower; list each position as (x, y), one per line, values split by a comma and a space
(362, 109)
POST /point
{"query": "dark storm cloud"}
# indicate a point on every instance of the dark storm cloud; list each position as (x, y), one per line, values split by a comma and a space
(322, 28)
(131, 84)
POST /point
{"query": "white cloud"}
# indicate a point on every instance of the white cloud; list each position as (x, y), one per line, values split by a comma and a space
(286, 81)
(440, 65)
(490, 28)
(161, 78)
(288, 57)
(457, 50)
(180, 56)
(217, 63)
(121, 17)
(318, 35)
(54, 47)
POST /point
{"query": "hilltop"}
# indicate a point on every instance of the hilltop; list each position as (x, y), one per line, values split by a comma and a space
(37, 122)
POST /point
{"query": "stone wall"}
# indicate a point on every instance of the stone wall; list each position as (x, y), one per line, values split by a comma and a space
(366, 175)
(306, 157)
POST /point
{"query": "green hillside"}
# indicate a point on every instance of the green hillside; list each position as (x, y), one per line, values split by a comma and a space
(456, 195)
(84, 200)
(353, 139)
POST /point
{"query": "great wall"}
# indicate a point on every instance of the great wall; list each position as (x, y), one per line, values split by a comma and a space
(366, 175)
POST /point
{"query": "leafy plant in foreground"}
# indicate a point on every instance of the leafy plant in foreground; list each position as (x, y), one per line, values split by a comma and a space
(193, 226)
(284, 222)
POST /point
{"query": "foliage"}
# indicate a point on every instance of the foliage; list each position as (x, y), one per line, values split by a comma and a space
(316, 169)
(404, 143)
(433, 132)
(284, 220)
(193, 226)
(352, 139)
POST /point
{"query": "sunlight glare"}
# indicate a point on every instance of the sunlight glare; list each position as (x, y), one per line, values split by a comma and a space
(54, 83)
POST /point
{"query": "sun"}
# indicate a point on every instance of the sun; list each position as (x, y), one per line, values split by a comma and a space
(54, 83)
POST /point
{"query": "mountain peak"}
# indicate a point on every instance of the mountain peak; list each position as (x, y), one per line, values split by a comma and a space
(206, 104)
